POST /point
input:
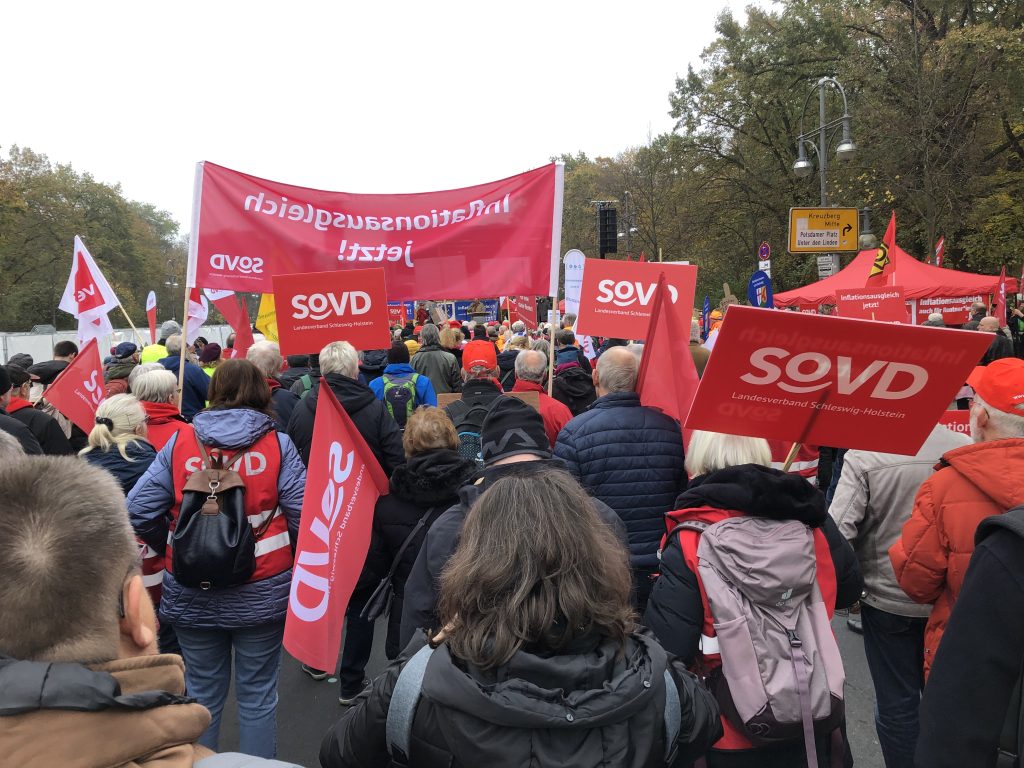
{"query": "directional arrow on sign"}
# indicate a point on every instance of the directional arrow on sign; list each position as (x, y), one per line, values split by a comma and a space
(847, 228)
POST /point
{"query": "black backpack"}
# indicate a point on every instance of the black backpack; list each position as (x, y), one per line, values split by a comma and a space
(574, 388)
(214, 545)
(468, 419)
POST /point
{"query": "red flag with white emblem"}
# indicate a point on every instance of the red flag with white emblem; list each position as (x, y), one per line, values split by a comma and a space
(151, 315)
(78, 389)
(237, 316)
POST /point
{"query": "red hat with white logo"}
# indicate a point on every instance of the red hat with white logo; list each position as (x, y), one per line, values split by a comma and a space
(1000, 384)
(479, 353)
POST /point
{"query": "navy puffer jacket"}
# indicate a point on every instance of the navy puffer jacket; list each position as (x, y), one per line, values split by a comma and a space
(630, 457)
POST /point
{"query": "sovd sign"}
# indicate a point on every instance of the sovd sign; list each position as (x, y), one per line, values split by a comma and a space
(616, 296)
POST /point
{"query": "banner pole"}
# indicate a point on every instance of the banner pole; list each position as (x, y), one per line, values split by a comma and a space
(184, 348)
(791, 456)
(136, 330)
(551, 344)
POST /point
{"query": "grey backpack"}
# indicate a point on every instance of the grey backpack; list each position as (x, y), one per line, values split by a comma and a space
(782, 675)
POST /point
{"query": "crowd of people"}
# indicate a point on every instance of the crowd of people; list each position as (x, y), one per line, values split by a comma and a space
(569, 586)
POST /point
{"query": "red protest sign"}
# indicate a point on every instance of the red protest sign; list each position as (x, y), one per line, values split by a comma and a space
(831, 381)
(343, 483)
(523, 308)
(487, 240)
(78, 389)
(617, 296)
(315, 309)
(885, 304)
(957, 421)
(396, 314)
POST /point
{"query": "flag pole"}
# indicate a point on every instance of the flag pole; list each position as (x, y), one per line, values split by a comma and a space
(791, 456)
(551, 344)
(184, 348)
(136, 330)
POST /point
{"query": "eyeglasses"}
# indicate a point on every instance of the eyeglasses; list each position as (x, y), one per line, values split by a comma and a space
(132, 569)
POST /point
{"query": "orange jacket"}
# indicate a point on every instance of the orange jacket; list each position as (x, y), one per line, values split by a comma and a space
(931, 556)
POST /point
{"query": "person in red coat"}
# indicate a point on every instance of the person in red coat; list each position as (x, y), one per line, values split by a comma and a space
(973, 482)
(531, 376)
(156, 390)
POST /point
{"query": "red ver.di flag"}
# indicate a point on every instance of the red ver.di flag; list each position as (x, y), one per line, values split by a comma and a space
(831, 381)
(492, 239)
(343, 483)
(78, 389)
(617, 296)
(314, 310)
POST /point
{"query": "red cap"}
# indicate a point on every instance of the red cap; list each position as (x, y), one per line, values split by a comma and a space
(479, 353)
(417, 330)
(1000, 384)
(454, 324)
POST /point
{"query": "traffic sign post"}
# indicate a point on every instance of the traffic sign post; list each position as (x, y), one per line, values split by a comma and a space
(823, 230)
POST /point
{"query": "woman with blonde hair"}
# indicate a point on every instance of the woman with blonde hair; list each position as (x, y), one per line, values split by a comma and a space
(117, 443)
(451, 341)
(541, 661)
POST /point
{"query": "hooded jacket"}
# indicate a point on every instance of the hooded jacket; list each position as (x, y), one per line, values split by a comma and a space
(439, 365)
(257, 602)
(421, 588)
(164, 422)
(129, 712)
(126, 471)
(507, 368)
(373, 364)
(676, 609)
(630, 457)
(572, 354)
(574, 388)
(425, 394)
(368, 413)
(588, 705)
(44, 427)
(873, 500)
(931, 556)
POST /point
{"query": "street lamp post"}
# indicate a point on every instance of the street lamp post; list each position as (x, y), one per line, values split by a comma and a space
(845, 150)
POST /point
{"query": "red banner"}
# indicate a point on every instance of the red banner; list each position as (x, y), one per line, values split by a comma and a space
(957, 421)
(151, 316)
(523, 308)
(78, 389)
(831, 381)
(314, 310)
(955, 310)
(885, 304)
(237, 317)
(343, 483)
(396, 314)
(491, 239)
(617, 296)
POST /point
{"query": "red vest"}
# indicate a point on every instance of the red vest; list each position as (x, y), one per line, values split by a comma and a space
(708, 657)
(260, 468)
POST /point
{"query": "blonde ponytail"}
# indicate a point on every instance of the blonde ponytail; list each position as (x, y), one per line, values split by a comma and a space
(117, 421)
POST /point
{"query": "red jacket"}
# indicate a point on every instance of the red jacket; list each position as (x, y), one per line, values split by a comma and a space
(931, 557)
(555, 414)
(164, 422)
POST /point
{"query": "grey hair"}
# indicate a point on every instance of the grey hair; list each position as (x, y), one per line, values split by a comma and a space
(617, 369)
(155, 386)
(518, 327)
(531, 365)
(266, 356)
(138, 370)
(66, 549)
(340, 357)
(569, 319)
(430, 335)
(10, 448)
(694, 331)
(542, 346)
(173, 345)
(1003, 424)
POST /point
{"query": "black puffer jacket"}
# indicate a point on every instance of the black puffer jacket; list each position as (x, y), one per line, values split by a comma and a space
(373, 364)
(675, 612)
(368, 413)
(590, 705)
(420, 603)
(507, 368)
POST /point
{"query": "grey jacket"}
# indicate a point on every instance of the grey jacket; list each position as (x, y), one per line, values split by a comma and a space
(440, 366)
(873, 500)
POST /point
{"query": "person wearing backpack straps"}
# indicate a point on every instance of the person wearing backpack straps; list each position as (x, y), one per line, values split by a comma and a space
(479, 389)
(752, 566)
(540, 662)
(240, 623)
(400, 388)
(972, 712)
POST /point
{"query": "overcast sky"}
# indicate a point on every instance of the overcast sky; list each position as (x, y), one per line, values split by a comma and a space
(354, 97)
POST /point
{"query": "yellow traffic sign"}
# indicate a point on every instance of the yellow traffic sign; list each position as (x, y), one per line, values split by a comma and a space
(823, 230)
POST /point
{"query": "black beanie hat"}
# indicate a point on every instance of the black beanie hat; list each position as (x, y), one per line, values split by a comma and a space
(511, 428)
(399, 353)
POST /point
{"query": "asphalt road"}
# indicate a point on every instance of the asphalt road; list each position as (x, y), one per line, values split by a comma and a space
(308, 708)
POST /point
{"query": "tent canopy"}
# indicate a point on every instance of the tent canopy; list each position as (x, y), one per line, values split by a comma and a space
(919, 281)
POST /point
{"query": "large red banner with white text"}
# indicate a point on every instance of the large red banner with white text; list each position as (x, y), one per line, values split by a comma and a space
(831, 381)
(884, 304)
(78, 389)
(523, 308)
(617, 296)
(343, 483)
(314, 310)
(955, 310)
(492, 239)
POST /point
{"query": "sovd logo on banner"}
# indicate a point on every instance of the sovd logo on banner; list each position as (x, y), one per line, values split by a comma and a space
(626, 293)
(243, 265)
(320, 306)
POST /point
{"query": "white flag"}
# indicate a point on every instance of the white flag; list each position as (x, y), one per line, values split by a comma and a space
(198, 310)
(87, 293)
(93, 328)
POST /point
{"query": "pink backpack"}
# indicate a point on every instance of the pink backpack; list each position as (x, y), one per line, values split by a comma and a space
(782, 674)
